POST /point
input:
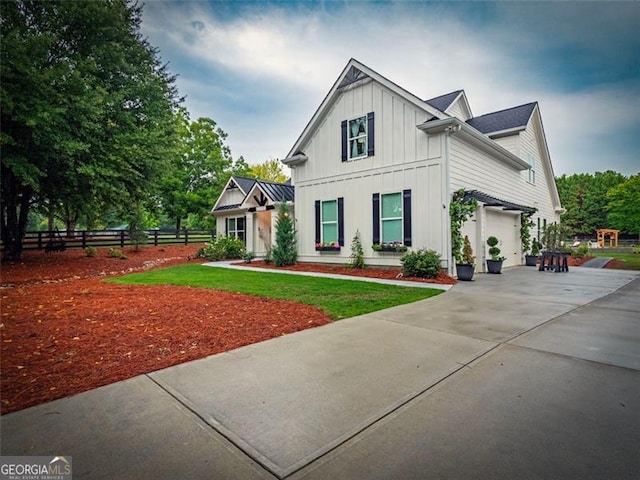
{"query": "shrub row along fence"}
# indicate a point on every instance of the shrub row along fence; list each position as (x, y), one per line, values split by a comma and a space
(38, 240)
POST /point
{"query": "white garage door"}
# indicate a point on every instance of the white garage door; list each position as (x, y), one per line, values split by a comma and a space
(505, 226)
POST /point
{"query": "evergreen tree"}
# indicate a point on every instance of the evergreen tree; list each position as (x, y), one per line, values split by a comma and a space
(284, 251)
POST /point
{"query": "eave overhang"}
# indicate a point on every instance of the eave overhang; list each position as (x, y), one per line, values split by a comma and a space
(453, 126)
(295, 160)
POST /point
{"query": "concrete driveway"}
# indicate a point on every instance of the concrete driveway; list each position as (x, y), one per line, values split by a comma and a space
(522, 375)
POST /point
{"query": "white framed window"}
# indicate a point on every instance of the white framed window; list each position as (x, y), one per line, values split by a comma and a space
(357, 137)
(391, 218)
(236, 227)
(329, 221)
(531, 173)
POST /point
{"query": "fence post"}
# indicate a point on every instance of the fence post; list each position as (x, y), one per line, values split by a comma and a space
(186, 236)
(39, 240)
(155, 238)
(121, 238)
(84, 239)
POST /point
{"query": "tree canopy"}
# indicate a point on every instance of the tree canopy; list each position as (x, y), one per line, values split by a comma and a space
(584, 196)
(198, 170)
(270, 170)
(87, 110)
(624, 206)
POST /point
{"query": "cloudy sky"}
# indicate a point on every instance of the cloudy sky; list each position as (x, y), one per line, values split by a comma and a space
(260, 69)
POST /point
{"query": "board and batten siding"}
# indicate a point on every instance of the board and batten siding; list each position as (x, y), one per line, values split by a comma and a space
(424, 179)
(397, 140)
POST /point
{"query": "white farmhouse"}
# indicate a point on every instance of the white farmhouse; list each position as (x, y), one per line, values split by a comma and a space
(376, 159)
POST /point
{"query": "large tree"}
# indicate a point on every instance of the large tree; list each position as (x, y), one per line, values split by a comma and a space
(584, 196)
(87, 110)
(624, 206)
(198, 169)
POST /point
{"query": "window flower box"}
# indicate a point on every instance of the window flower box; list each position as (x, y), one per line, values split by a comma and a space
(330, 247)
(389, 247)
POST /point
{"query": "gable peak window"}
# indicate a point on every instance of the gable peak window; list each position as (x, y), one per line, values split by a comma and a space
(531, 173)
(358, 137)
(357, 130)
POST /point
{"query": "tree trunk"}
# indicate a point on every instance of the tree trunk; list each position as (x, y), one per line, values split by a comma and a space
(16, 202)
(178, 227)
(70, 221)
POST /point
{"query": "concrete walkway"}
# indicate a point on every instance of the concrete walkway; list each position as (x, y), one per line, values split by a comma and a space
(522, 375)
(234, 265)
(597, 262)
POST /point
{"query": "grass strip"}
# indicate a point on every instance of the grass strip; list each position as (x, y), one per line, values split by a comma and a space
(629, 261)
(337, 298)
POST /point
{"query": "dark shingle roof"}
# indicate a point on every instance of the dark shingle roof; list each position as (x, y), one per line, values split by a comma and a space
(504, 119)
(443, 101)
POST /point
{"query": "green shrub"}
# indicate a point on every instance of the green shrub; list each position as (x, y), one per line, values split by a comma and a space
(91, 251)
(356, 260)
(421, 263)
(580, 252)
(284, 251)
(116, 253)
(248, 256)
(222, 248)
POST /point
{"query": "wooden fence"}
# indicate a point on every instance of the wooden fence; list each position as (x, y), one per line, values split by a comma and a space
(113, 238)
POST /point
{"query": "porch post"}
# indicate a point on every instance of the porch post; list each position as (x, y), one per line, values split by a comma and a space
(250, 232)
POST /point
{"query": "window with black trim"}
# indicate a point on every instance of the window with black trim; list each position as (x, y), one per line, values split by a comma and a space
(392, 218)
(329, 224)
(358, 137)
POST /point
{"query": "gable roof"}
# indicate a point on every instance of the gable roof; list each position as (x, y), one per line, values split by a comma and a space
(245, 184)
(276, 192)
(353, 73)
(443, 101)
(515, 118)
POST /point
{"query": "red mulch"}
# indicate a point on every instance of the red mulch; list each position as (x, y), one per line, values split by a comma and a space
(384, 273)
(64, 331)
(576, 262)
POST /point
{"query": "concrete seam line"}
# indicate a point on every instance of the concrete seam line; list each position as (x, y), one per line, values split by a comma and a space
(212, 427)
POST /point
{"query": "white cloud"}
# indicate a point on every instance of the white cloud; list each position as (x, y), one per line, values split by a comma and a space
(262, 74)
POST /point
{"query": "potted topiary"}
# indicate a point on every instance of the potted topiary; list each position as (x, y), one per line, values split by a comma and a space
(494, 264)
(467, 265)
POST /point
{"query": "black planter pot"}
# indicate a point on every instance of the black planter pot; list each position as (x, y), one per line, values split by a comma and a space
(465, 271)
(494, 266)
(531, 260)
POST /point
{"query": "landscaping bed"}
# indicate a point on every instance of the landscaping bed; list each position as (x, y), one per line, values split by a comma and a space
(383, 273)
(64, 331)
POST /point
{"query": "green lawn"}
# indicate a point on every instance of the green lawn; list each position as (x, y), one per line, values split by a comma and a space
(630, 261)
(338, 298)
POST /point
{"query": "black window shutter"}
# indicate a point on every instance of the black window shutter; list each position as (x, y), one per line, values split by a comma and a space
(318, 219)
(226, 227)
(406, 213)
(371, 135)
(376, 218)
(341, 221)
(345, 140)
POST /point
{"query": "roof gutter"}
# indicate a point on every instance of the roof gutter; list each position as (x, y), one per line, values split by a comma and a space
(481, 141)
(295, 160)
